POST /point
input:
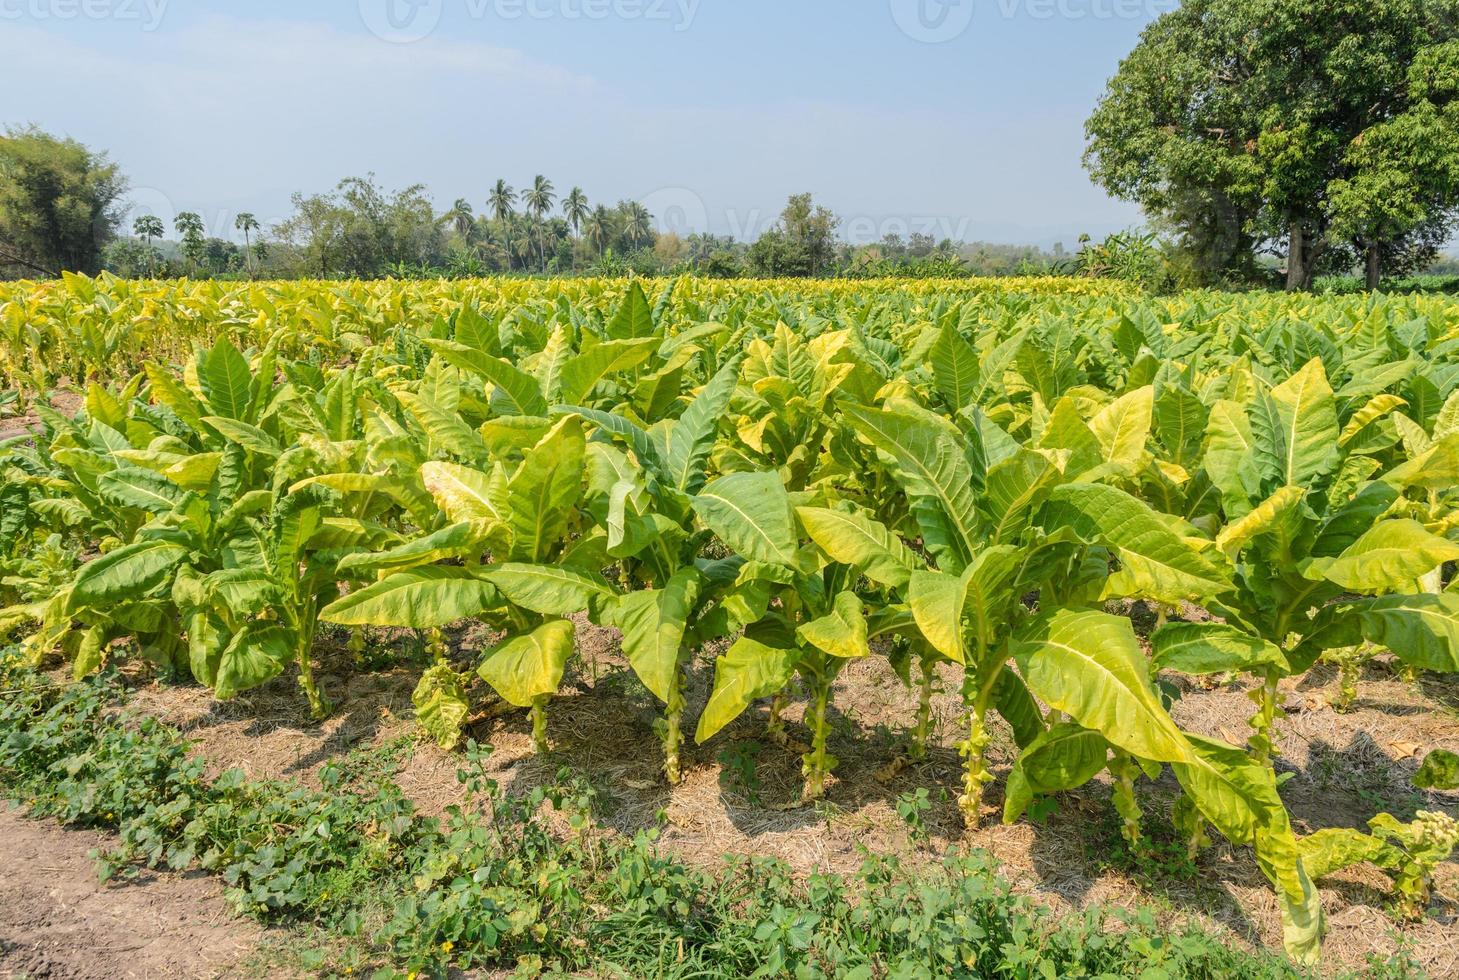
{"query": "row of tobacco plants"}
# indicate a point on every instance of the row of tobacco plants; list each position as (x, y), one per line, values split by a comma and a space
(938, 474)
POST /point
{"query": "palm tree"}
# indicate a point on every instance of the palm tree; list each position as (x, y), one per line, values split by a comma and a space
(638, 224)
(599, 227)
(246, 223)
(503, 204)
(539, 199)
(461, 218)
(148, 227)
(575, 209)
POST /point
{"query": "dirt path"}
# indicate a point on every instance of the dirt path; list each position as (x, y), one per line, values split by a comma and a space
(58, 921)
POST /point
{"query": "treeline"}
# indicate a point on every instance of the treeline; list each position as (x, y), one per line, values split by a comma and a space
(362, 230)
(62, 208)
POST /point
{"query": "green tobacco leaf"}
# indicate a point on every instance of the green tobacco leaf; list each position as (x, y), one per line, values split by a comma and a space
(934, 472)
(841, 633)
(549, 590)
(527, 667)
(1272, 515)
(250, 437)
(1422, 630)
(465, 494)
(1240, 799)
(514, 391)
(132, 486)
(226, 381)
(1391, 557)
(1016, 704)
(751, 513)
(1305, 443)
(936, 600)
(747, 671)
(421, 598)
(455, 541)
(544, 492)
(1212, 648)
(955, 368)
(692, 436)
(652, 622)
(634, 318)
(1336, 848)
(584, 371)
(1123, 428)
(1090, 666)
(441, 705)
(852, 538)
(1440, 771)
(1155, 562)
(1063, 758)
(127, 573)
(256, 655)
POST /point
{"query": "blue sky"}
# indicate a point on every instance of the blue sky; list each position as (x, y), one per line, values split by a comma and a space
(963, 118)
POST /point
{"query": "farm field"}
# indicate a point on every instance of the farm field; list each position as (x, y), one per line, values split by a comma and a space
(1151, 599)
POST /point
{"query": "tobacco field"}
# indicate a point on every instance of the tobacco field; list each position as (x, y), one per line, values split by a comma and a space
(1063, 505)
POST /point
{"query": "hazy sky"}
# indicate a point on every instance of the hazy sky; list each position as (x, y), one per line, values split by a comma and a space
(962, 118)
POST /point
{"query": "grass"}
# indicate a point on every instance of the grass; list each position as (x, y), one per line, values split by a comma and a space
(529, 883)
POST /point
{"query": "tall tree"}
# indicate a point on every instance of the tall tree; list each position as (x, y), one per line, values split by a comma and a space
(539, 199)
(461, 218)
(503, 204)
(637, 223)
(246, 222)
(1261, 112)
(189, 225)
(60, 203)
(576, 210)
(600, 228)
(148, 227)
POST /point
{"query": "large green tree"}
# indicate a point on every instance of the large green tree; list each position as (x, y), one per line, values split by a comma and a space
(1326, 129)
(60, 204)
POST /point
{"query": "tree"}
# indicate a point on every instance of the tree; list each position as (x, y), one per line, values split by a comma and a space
(539, 199)
(59, 204)
(637, 223)
(1287, 125)
(802, 244)
(246, 223)
(461, 218)
(575, 209)
(503, 204)
(148, 227)
(600, 228)
(190, 226)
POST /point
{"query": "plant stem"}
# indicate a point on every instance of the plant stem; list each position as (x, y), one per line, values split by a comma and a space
(973, 751)
(1263, 723)
(775, 729)
(923, 729)
(673, 728)
(538, 714)
(319, 706)
(816, 764)
(1125, 771)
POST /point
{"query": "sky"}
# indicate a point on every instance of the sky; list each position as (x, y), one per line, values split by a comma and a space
(956, 118)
